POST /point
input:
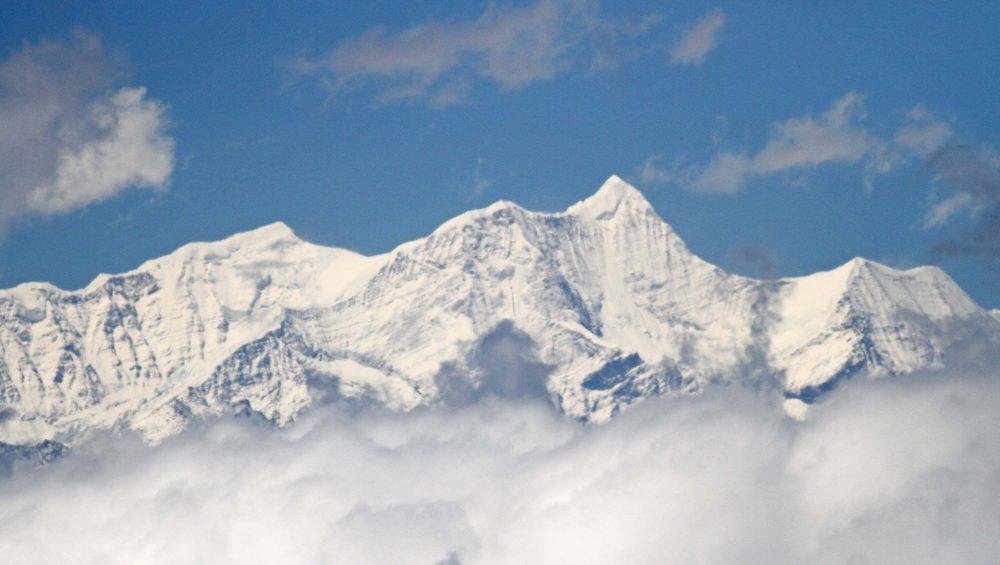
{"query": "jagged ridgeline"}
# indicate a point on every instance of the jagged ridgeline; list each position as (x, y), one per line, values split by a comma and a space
(594, 308)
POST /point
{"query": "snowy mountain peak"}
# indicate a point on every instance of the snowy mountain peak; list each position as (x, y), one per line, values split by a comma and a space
(472, 216)
(595, 308)
(277, 231)
(614, 195)
(858, 262)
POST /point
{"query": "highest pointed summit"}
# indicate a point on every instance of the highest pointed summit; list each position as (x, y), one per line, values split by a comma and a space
(614, 195)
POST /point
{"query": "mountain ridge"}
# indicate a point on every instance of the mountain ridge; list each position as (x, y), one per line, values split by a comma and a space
(603, 304)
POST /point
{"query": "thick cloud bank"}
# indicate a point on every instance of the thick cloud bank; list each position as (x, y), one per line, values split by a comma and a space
(897, 471)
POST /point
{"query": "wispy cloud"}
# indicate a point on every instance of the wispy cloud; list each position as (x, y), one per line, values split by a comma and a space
(481, 180)
(652, 172)
(698, 39)
(835, 136)
(436, 62)
(726, 172)
(922, 132)
(70, 138)
(897, 470)
(840, 135)
(966, 179)
(972, 176)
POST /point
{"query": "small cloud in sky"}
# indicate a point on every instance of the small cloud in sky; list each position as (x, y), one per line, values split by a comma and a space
(840, 135)
(923, 132)
(512, 47)
(835, 136)
(972, 175)
(944, 210)
(615, 42)
(698, 39)
(726, 172)
(127, 149)
(71, 136)
(652, 172)
(481, 181)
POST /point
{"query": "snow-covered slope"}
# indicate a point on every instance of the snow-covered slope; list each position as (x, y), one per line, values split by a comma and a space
(595, 307)
(863, 315)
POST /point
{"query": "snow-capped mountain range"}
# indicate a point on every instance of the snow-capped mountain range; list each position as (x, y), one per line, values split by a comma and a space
(596, 308)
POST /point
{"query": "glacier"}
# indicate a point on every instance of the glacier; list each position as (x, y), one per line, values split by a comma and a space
(594, 308)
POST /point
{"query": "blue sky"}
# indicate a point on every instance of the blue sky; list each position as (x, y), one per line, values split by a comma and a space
(776, 140)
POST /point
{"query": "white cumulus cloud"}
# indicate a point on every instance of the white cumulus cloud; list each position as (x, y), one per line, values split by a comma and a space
(901, 470)
(129, 148)
(71, 137)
